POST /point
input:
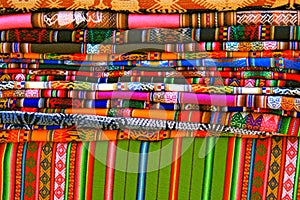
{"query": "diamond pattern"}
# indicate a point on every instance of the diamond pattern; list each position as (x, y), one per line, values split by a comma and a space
(290, 169)
(59, 192)
(259, 166)
(256, 196)
(273, 183)
(45, 164)
(257, 182)
(44, 192)
(30, 162)
(60, 179)
(29, 191)
(60, 165)
(276, 151)
(292, 152)
(275, 167)
(261, 150)
(32, 147)
(47, 149)
(288, 185)
(61, 150)
(45, 179)
(30, 177)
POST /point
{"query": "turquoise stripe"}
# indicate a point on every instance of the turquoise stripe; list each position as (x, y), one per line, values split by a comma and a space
(23, 170)
(251, 169)
(140, 195)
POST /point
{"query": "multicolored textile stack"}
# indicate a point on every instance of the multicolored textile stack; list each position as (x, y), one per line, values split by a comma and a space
(159, 99)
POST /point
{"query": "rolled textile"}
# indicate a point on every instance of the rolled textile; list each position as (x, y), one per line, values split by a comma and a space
(137, 73)
(107, 20)
(117, 109)
(102, 100)
(151, 6)
(88, 48)
(92, 135)
(286, 67)
(147, 87)
(237, 122)
(217, 81)
(153, 35)
(152, 55)
(194, 64)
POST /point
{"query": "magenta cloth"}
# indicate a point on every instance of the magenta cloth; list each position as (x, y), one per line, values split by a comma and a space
(149, 21)
(140, 96)
(15, 21)
(208, 99)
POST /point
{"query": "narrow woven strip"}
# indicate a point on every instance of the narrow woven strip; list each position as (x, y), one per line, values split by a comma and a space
(143, 5)
(154, 35)
(87, 163)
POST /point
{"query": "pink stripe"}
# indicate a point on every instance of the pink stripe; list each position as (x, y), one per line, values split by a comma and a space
(110, 165)
(175, 170)
(153, 21)
(141, 96)
(38, 161)
(207, 99)
(77, 171)
(13, 172)
(15, 21)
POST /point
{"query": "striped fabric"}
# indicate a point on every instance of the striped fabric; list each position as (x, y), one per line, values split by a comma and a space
(149, 99)
(179, 168)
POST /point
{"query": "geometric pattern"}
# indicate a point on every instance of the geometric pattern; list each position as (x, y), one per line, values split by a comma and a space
(45, 170)
(60, 170)
(259, 169)
(274, 168)
(290, 168)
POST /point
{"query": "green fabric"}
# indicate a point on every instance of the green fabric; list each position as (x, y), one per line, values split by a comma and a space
(120, 172)
(197, 171)
(99, 169)
(83, 169)
(219, 169)
(165, 172)
(236, 162)
(7, 170)
(285, 125)
(209, 150)
(153, 166)
(132, 169)
(185, 168)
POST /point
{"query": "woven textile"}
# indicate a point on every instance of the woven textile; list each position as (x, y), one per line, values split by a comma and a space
(112, 20)
(158, 99)
(226, 33)
(141, 5)
(209, 168)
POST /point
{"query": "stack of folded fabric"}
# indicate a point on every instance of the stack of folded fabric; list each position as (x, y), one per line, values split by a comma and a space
(138, 99)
